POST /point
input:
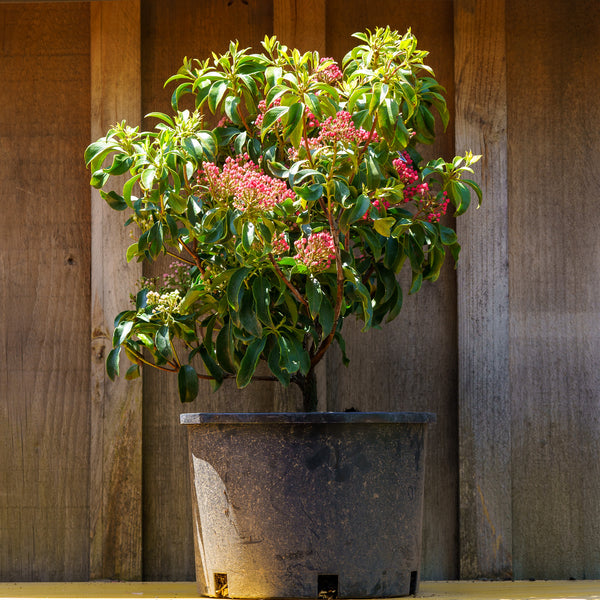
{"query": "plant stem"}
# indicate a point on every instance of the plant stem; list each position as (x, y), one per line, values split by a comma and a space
(146, 362)
(340, 292)
(288, 283)
(308, 386)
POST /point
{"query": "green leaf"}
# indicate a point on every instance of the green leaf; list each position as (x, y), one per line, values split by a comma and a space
(122, 330)
(187, 380)
(460, 196)
(224, 349)
(162, 340)
(384, 226)
(113, 199)
(120, 164)
(234, 286)
(396, 304)
(262, 300)
(271, 117)
(326, 316)
(155, 239)
(447, 235)
(273, 362)
(112, 363)
(356, 212)
(128, 187)
(312, 102)
(247, 314)
(133, 372)
(132, 252)
(417, 280)
(211, 364)
(231, 107)
(148, 176)
(475, 187)
(98, 179)
(314, 295)
(310, 193)
(249, 362)
(95, 149)
(141, 299)
(247, 235)
(215, 95)
(209, 144)
(374, 176)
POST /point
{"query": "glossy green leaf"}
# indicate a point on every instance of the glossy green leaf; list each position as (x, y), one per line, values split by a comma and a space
(162, 340)
(187, 380)
(247, 235)
(273, 361)
(112, 363)
(249, 362)
(132, 373)
(326, 316)
(213, 368)
(447, 235)
(384, 225)
(234, 286)
(262, 300)
(271, 117)
(224, 349)
(247, 314)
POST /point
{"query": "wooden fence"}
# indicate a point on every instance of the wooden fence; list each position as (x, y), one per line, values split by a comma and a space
(93, 476)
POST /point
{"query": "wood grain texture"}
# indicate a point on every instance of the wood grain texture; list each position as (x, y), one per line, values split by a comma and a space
(300, 24)
(483, 309)
(116, 442)
(411, 363)
(554, 141)
(44, 292)
(168, 542)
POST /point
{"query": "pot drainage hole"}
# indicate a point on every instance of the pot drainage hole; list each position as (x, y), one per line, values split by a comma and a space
(221, 588)
(327, 586)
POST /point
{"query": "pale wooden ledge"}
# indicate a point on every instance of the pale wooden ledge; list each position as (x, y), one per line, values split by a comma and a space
(432, 590)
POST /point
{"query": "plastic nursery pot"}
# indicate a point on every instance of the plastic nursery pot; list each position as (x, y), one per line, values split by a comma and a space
(307, 505)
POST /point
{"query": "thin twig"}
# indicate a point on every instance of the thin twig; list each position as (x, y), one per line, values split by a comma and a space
(288, 283)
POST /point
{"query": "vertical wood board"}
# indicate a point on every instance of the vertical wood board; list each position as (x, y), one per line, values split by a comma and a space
(554, 141)
(411, 363)
(300, 24)
(116, 440)
(483, 310)
(44, 292)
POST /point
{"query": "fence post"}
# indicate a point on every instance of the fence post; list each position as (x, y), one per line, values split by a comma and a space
(483, 302)
(116, 423)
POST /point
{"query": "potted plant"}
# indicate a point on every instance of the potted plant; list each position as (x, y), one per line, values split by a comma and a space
(289, 199)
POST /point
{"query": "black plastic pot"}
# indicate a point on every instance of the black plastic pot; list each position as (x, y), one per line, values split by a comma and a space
(307, 505)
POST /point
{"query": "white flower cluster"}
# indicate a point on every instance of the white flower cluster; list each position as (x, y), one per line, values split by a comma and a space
(164, 304)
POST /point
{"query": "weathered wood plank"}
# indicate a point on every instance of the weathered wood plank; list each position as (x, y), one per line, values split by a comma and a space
(411, 363)
(116, 440)
(300, 24)
(483, 303)
(44, 293)
(554, 141)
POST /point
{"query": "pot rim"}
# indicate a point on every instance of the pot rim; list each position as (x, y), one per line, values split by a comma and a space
(306, 418)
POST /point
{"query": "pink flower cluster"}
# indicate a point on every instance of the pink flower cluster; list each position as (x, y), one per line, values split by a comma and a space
(328, 71)
(435, 206)
(341, 129)
(315, 252)
(245, 184)
(262, 107)
(280, 244)
(407, 173)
